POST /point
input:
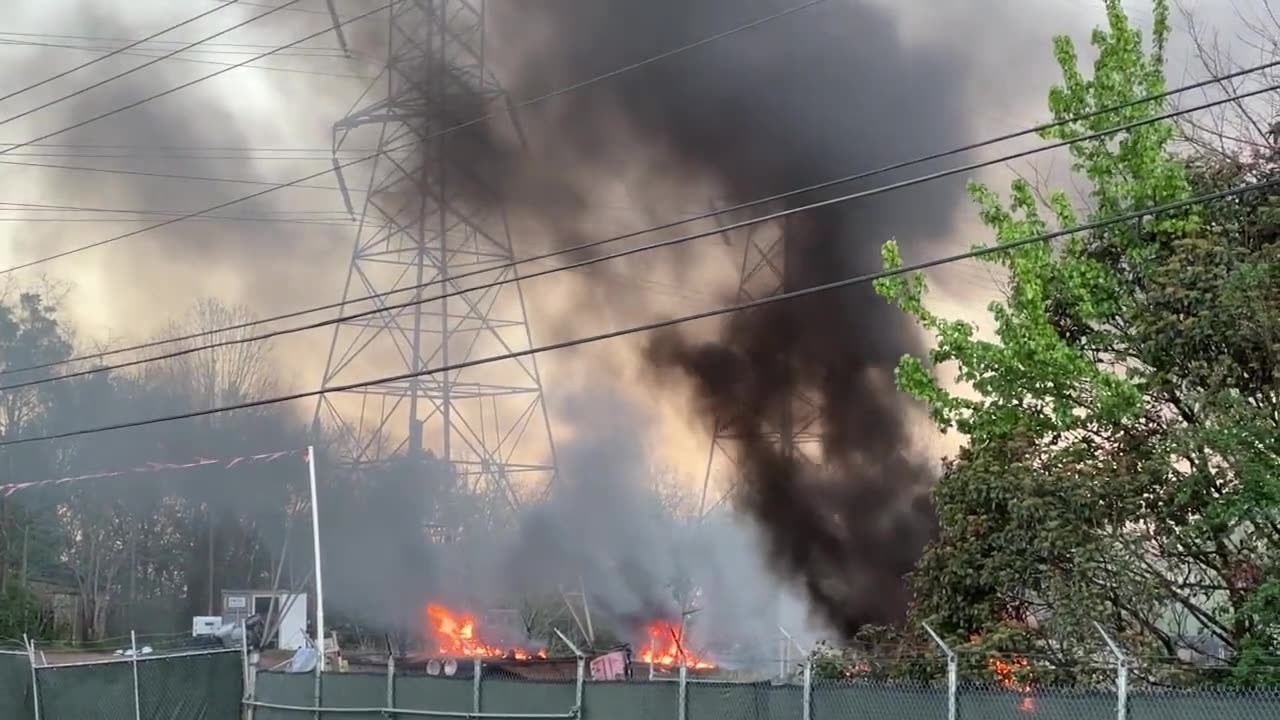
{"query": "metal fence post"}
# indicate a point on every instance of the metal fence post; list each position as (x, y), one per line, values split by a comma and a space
(682, 710)
(391, 681)
(252, 688)
(579, 689)
(244, 661)
(318, 691)
(953, 672)
(137, 694)
(807, 692)
(477, 675)
(582, 673)
(35, 686)
(1122, 674)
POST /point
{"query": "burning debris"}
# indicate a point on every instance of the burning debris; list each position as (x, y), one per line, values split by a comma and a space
(667, 648)
(453, 634)
(1012, 675)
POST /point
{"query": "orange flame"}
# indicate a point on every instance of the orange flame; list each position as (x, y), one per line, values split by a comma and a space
(455, 634)
(1007, 674)
(666, 648)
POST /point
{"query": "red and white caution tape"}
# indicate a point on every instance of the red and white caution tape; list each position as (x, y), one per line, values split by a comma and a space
(152, 466)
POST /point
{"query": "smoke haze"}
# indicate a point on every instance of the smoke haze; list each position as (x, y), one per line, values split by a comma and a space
(815, 96)
(832, 90)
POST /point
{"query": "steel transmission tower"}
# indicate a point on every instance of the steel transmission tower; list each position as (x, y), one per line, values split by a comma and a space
(795, 430)
(417, 229)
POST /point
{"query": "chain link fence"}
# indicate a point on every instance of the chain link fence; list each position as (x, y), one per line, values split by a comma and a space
(882, 700)
(204, 685)
(15, 684)
(497, 696)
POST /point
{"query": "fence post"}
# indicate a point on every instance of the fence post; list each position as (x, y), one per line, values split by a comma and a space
(579, 689)
(1122, 674)
(582, 672)
(318, 691)
(137, 694)
(35, 687)
(477, 675)
(682, 711)
(252, 687)
(807, 692)
(391, 680)
(953, 672)
(244, 660)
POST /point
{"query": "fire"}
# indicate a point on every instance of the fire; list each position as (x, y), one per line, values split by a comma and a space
(1007, 673)
(455, 634)
(666, 648)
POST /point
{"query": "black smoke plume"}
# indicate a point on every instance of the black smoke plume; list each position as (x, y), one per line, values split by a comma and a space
(823, 93)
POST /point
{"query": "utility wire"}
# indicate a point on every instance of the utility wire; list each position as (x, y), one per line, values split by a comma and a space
(195, 81)
(130, 46)
(309, 11)
(297, 52)
(540, 258)
(144, 54)
(339, 166)
(619, 254)
(260, 46)
(169, 176)
(117, 76)
(658, 325)
(640, 249)
(551, 254)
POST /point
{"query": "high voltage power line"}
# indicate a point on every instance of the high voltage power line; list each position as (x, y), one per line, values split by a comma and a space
(144, 54)
(665, 243)
(337, 166)
(176, 88)
(117, 76)
(112, 54)
(150, 39)
(163, 175)
(658, 325)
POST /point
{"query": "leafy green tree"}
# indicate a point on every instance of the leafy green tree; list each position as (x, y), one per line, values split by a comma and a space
(1121, 433)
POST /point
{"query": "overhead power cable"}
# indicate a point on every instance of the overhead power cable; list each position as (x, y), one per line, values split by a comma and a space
(622, 253)
(198, 80)
(551, 254)
(366, 158)
(671, 322)
(309, 11)
(130, 71)
(167, 176)
(151, 39)
(145, 54)
(113, 53)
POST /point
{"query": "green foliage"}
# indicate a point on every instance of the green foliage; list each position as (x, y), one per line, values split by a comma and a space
(20, 613)
(1121, 453)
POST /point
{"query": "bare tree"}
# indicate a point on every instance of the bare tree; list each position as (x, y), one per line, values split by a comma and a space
(1243, 128)
(223, 375)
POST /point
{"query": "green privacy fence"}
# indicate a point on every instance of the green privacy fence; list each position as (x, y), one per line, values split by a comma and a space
(209, 686)
(281, 696)
(15, 685)
(198, 686)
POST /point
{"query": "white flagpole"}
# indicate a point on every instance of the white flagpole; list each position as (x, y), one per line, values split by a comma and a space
(315, 538)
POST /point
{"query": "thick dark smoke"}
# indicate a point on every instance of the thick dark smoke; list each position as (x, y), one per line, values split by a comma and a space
(821, 94)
